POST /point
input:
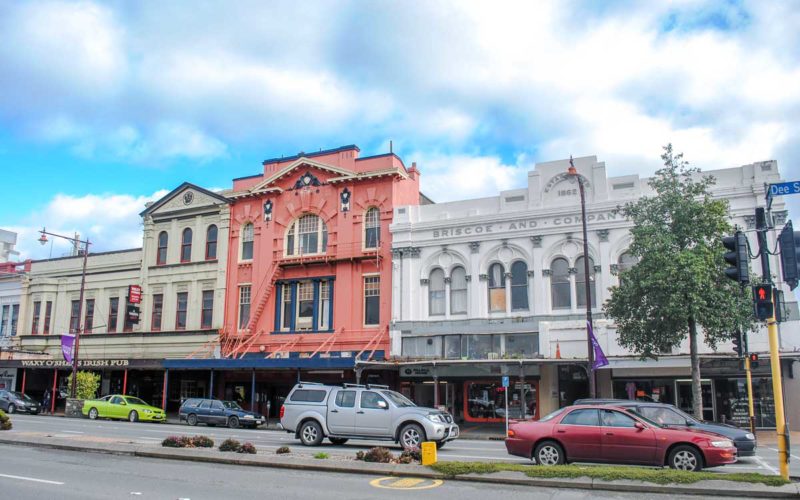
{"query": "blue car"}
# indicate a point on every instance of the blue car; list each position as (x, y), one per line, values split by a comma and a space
(215, 412)
(670, 416)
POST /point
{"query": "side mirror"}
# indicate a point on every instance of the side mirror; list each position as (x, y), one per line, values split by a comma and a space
(689, 423)
(123, 403)
(639, 426)
(383, 405)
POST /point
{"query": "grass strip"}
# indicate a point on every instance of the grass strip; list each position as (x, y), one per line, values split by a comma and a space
(605, 473)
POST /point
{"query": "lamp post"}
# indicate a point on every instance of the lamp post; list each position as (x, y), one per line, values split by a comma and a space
(79, 330)
(589, 323)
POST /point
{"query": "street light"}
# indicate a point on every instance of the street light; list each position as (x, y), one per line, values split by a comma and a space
(589, 323)
(75, 241)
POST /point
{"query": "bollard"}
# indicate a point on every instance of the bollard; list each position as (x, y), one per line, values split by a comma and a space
(428, 453)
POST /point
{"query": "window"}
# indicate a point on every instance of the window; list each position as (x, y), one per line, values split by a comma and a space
(158, 311)
(74, 320)
(613, 418)
(663, 416)
(287, 312)
(180, 314)
(186, 245)
(452, 346)
(127, 324)
(14, 318)
(521, 345)
(324, 305)
(582, 417)
(88, 319)
(307, 235)
(113, 310)
(37, 307)
(422, 347)
(372, 401)
(211, 242)
(519, 286)
(310, 396)
(559, 284)
(497, 288)
(305, 305)
(116, 400)
(207, 313)
(48, 312)
(346, 399)
(217, 405)
(244, 306)
(4, 323)
(372, 300)
(161, 254)
(458, 291)
(436, 293)
(247, 241)
(626, 261)
(580, 282)
(372, 228)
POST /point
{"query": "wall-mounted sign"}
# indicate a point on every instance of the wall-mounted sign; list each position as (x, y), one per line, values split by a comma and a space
(133, 313)
(134, 294)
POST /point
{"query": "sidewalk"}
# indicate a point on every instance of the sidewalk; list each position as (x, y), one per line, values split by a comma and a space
(770, 438)
(715, 487)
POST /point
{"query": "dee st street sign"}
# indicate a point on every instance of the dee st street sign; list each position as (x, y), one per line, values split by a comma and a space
(783, 188)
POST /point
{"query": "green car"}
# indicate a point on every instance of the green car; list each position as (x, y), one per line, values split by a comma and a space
(123, 407)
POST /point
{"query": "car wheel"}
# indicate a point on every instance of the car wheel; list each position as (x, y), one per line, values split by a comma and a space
(11, 409)
(685, 458)
(133, 416)
(233, 422)
(338, 441)
(311, 433)
(440, 445)
(411, 436)
(549, 453)
(191, 420)
(93, 414)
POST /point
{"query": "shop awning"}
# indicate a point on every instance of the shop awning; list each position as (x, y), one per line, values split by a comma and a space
(260, 363)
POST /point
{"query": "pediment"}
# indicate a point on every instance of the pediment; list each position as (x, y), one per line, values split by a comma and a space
(186, 197)
(302, 172)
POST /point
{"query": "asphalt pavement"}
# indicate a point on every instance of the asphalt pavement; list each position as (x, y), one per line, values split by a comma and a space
(766, 461)
(39, 474)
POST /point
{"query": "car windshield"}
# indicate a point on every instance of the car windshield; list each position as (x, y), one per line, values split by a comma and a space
(551, 415)
(685, 415)
(398, 399)
(231, 405)
(135, 401)
(24, 397)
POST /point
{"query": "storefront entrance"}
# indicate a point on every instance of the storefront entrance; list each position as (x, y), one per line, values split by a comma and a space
(683, 391)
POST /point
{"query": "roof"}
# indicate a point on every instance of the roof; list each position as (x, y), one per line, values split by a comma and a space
(172, 193)
(302, 154)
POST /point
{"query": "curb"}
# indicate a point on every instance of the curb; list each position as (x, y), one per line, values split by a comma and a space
(719, 488)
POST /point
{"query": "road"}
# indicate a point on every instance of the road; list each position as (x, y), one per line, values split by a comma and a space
(766, 462)
(39, 474)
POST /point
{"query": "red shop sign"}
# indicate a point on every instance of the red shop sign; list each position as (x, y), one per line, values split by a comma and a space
(134, 294)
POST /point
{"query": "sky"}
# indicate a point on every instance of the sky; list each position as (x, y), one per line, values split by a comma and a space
(105, 106)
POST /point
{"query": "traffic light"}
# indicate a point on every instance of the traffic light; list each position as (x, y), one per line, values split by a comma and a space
(789, 241)
(738, 344)
(762, 300)
(753, 361)
(738, 258)
(778, 299)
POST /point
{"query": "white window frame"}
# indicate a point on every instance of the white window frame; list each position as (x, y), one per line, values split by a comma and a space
(243, 241)
(364, 299)
(294, 229)
(242, 287)
(376, 224)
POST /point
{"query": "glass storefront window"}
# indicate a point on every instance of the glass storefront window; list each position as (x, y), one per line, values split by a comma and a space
(477, 346)
(452, 347)
(521, 345)
(485, 400)
(731, 397)
(658, 390)
(422, 347)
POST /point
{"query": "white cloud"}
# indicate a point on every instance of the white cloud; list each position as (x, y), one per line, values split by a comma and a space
(455, 177)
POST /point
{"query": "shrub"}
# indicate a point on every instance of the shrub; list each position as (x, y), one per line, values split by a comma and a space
(247, 448)
(174, 442)
(5, 422)
(202, 442)
(230, 445)
(322, 455)
(410, 456)
(378, 455)
(88, 383)
(283, 450)
(359, 455)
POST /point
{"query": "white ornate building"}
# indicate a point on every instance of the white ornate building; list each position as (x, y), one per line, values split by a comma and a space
(494, 286)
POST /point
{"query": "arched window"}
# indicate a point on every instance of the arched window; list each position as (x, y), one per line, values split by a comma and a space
(436, 294)
(211, 242)
(497, 288)
(247, 241)
(458, 291)
(580, 282)
(161, 253)
(372, 228)
(559, 284)
(626, 261)
(186, 245)
(307, 235)
(519, 286)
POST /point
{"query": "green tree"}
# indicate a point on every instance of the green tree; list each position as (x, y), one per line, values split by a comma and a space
(678, 286)
(88, 383)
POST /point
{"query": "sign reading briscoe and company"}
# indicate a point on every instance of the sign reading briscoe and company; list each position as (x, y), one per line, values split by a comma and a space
(521, 225)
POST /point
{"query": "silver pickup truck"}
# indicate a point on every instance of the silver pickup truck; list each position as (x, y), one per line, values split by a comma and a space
(315, 411)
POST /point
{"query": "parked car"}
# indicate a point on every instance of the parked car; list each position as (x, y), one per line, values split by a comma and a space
(671, 416)
(122, 407)
(215, 412)
(316, 411)
(12, 401)
(610, 434)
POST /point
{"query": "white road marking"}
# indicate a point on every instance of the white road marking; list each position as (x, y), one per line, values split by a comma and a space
(23, 478)
(485, 457)
(74, 432)
(766, 465)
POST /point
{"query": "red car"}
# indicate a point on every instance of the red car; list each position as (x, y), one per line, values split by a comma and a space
(606, 433)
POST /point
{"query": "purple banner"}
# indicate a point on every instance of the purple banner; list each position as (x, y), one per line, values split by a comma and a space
(600, 359)
(67, 346)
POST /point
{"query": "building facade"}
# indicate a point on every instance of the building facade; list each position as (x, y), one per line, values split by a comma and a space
(495, 287)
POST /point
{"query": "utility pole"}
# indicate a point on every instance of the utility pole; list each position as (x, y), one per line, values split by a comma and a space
(774, 353)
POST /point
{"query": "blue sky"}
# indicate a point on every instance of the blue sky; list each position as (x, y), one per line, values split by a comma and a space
(104, 106)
